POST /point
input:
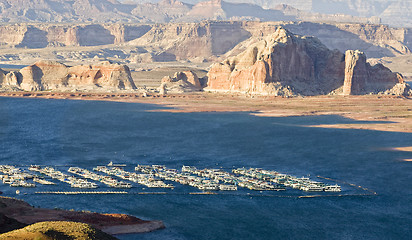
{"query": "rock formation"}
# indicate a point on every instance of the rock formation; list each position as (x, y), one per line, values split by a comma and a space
(361, 77)
(50, 75)
(280, 64)
(8, 224)
(42, 219)
(186, 81)
(284, 64)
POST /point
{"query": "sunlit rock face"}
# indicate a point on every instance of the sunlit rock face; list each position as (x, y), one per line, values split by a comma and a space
(284, 64)
(50, 75)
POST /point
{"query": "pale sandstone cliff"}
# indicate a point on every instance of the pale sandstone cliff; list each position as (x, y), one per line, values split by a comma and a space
(361, 77)
(285, 64)
(50, 75)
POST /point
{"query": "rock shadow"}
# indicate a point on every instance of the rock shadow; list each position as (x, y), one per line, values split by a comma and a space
(94, 35)
(34, 38)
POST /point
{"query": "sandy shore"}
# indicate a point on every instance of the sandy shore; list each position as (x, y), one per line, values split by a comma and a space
(404, 149)
(134, 228)
(372, 112)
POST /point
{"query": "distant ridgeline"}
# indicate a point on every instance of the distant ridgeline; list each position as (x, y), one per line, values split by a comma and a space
(392, 12)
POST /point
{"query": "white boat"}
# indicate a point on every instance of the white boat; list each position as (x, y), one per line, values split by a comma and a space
(333, 188)
(43, 181)
(311, 188)
(223, 187)
(111, 164)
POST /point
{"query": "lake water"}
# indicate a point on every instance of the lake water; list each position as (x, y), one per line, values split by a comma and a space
(87, 133)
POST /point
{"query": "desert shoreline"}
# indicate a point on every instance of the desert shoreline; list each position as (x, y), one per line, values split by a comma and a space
(373, 112)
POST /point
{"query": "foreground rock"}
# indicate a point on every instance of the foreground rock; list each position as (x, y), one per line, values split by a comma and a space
(57, 230)
(8, 224)
(109, 223)
(50, 75)
(284, 64)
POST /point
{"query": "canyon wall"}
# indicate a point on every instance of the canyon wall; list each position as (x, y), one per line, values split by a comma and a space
(208, 39)
(25, 35)
(193, 40)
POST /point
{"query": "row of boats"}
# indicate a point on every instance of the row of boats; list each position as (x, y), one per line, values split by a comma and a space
(14, 177)
(303, 183)
(148, 180)
(154, 176)
(170, 174)
(107, 180)
(62, 177)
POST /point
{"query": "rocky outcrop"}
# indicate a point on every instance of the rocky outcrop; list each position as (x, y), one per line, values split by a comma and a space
(9, 224)
(361, 77)
(50, 75)
(280, 64)
(186, 81)
(109, 223)
(284, 64)
(9, 81)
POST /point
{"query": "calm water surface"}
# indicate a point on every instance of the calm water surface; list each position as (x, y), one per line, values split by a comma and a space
(85, 133)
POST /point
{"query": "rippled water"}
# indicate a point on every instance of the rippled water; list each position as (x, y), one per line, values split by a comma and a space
(87, 134)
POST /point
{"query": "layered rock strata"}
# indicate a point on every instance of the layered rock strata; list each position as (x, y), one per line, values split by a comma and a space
(209, 40)
(361, 77)
(284, 64)
(50, 75)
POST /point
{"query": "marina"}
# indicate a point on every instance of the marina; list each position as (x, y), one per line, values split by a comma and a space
(62, 177)
(109, 181)
(15, 177)
(207, 180)
(147, 180)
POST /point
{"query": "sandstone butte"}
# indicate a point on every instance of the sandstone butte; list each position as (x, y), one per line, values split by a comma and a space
(284, 64)
(51, 75)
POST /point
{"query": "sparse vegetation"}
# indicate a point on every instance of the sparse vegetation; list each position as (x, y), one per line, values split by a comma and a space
(60, 230)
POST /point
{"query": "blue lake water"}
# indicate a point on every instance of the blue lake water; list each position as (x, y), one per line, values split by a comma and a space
(90, 133)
